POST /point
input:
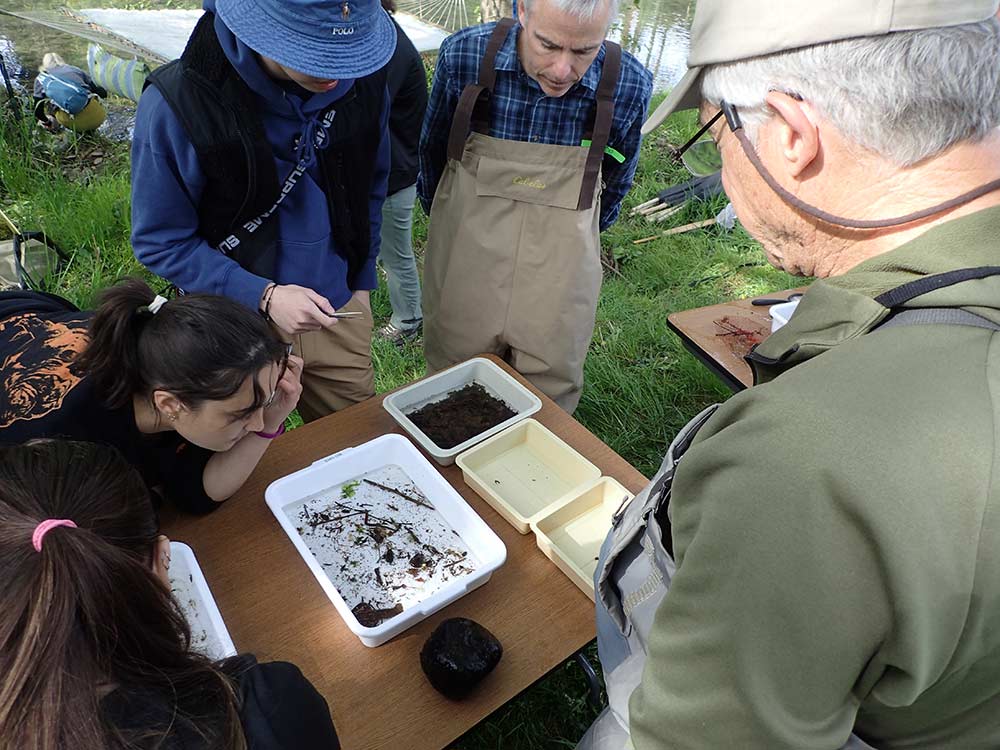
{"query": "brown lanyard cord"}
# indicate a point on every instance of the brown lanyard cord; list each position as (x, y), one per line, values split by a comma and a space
(732, 117)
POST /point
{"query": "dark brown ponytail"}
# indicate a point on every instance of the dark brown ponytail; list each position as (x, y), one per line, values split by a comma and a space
(200, 347)
(85, 617)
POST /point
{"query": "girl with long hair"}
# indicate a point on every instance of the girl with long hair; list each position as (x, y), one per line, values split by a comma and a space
(94, 651)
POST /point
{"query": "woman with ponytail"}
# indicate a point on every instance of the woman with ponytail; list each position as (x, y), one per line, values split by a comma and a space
(94, 651)
(191, 390)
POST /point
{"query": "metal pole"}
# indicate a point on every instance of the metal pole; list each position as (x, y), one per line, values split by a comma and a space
(10, 89)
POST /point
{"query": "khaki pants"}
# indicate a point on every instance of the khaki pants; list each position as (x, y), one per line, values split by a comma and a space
(338, 364)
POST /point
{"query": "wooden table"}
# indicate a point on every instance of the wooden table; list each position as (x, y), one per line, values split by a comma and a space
(722, 335)
(379, 698)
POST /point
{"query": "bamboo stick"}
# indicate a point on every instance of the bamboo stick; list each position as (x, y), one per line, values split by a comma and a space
(664, 215)
(690, 227)
(676, 230)
(642, 207)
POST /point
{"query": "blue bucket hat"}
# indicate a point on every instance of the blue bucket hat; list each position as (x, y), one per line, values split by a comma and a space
(330, 39)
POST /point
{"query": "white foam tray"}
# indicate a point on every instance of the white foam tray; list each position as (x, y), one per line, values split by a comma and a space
(483, 544)
(208, 630)
(496, 382)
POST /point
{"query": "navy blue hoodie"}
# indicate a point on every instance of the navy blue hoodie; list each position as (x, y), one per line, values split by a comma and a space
(167, 184)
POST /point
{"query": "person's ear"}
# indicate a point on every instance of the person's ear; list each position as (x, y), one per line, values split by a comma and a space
(797, 132)
(168, 405)
(160, 563)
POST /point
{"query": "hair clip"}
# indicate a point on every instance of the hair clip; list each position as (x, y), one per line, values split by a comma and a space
(156, 304)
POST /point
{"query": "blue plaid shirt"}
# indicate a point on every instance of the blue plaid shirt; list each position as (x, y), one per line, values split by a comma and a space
(522, 112)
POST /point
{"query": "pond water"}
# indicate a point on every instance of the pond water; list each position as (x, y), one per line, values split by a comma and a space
(655, 31)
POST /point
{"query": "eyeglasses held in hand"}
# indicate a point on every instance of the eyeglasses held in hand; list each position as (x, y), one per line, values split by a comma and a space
(281, 373)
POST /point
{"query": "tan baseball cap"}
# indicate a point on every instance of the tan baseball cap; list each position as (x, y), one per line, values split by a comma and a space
(730, 30)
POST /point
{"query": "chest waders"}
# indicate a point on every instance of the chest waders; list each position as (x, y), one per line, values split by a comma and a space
(513, 260)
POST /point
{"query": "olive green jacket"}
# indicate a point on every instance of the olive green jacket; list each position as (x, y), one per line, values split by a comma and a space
(837, 529)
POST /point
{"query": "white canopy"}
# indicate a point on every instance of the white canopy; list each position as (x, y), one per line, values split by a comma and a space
(165, 32)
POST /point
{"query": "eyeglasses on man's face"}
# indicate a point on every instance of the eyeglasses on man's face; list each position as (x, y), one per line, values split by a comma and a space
(700, 155)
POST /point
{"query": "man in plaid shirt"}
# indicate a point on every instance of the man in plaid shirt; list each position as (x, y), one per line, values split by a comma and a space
(517, 203)
(526, 107)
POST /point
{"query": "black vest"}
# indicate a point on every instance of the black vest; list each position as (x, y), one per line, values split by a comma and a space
(219, 115)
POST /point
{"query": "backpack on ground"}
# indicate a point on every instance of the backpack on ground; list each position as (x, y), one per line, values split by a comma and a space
(67, 96)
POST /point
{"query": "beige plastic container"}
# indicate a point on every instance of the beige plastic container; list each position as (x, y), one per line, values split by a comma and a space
(571, 535)
(525, 471)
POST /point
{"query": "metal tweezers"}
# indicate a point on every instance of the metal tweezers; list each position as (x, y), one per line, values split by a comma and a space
(774, 300)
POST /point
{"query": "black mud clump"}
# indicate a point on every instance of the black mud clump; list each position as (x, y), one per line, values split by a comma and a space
(463, 414)
(458, 655)
(371, 617)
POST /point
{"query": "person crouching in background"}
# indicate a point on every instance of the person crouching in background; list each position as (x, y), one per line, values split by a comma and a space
(65, 95)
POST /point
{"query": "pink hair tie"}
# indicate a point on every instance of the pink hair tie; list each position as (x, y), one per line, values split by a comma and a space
(45, 527)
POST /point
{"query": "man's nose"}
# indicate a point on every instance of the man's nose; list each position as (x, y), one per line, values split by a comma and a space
(563, 67)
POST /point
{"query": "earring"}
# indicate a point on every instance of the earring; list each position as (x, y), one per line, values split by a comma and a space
(172, 416)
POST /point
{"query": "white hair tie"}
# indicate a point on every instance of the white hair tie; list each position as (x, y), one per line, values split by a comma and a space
(156, 304)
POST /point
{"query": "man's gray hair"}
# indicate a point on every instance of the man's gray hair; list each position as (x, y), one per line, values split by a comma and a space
(906, 96)
(584, 9)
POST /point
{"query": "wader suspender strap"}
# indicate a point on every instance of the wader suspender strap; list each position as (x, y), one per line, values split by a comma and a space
(461, 122)
(602, 123)
(934, 315)
(906, 292)
(916, 316)
(472, 111)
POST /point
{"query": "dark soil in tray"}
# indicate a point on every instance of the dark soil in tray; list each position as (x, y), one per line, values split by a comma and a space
(462, 415)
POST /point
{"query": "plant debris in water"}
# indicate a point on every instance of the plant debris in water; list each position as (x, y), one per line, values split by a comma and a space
(204, 639)
(381, 543)
(741, 334)
(461, 415)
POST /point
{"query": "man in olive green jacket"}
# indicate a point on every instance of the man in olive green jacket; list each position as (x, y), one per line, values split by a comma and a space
(817, 565)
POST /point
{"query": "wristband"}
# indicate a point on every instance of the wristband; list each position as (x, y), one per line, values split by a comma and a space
(266, 306)
(271, 435)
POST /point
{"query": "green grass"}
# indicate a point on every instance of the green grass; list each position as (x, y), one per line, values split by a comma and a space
(641, 385)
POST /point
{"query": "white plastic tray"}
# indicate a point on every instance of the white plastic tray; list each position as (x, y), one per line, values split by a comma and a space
(208, 631)
(496, 382)
(525, 471)
(285, 496)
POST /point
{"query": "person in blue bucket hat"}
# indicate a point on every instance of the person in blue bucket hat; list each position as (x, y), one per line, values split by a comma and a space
(259, 170)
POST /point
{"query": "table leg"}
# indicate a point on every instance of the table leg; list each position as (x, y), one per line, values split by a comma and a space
(593, 681)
